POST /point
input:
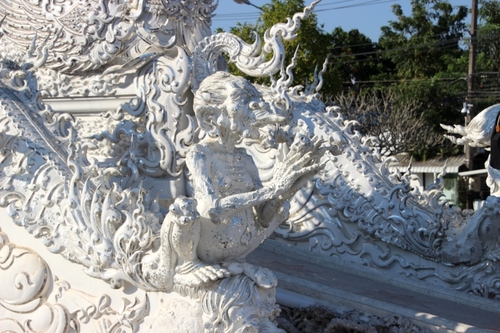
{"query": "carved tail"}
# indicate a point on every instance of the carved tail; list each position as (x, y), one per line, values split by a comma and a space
(160, 271)
(245, 56)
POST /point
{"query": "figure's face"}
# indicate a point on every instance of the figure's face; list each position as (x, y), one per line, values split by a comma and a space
(247, 111)
(232, 108)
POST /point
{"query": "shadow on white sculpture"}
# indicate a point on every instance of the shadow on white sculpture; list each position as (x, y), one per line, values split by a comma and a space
(87, 189)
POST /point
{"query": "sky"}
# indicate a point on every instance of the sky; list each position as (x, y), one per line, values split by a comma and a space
(365, 15)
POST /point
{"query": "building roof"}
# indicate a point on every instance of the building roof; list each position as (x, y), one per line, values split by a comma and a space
(473, 173)
(453, 164)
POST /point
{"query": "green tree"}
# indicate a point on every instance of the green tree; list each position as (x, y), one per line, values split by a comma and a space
(423, 55)
(353, 56)
(314, 45)
(488, 54)
(423, 44)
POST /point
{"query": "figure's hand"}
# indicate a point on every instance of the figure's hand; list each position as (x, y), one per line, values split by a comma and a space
(235, 268)
(302, 159)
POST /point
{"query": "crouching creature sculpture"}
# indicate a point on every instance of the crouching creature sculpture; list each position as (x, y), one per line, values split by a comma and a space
(206, 238)
(477, 239)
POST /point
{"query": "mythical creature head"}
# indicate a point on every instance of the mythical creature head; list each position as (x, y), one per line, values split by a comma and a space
(479, 130)
(184, 210)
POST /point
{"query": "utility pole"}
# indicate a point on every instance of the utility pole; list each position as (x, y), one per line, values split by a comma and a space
(469, 101)
(471, 80)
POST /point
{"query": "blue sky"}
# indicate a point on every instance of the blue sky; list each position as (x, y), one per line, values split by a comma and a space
(365, 15)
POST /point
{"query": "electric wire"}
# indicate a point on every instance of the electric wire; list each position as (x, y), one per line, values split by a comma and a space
(254, 15)
(378, 54)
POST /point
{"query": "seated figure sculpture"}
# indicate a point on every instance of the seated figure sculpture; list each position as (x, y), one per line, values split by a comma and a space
(207, 237)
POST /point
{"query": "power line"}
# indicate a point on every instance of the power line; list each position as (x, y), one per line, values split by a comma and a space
(453, 40)
(255, 15)
(376, 43)
(404, 80)
(367, 3)
(445, 45)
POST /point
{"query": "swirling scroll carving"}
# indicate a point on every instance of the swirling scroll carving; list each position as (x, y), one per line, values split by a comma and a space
(34, 301)
(95, 196)
(24, 275)
(152, 133)
(82, 36)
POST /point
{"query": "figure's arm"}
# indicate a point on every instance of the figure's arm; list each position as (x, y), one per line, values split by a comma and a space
(206, 190)
(272, 207)
(292, 167)
(269, 208)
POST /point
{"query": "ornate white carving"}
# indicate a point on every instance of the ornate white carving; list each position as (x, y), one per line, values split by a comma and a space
(31, 300)
(84, 35)
(236, 212)
(359, 211)
(60, 185)
(24, 276)
(478, 132)
(152, 132)
(206, 56)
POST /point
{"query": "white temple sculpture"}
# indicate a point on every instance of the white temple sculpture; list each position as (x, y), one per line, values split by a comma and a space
(92, 190)
(140, 216)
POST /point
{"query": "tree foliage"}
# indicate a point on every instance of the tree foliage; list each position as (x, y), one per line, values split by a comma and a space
(422, 44)
(353, 55)
(421, 56)
(421, 52)
(312, 43)
(488, 55)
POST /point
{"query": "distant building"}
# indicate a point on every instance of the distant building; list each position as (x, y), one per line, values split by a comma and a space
(462, 187)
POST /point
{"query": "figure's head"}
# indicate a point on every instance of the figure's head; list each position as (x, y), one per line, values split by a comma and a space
(225, 102)
(184, 210)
